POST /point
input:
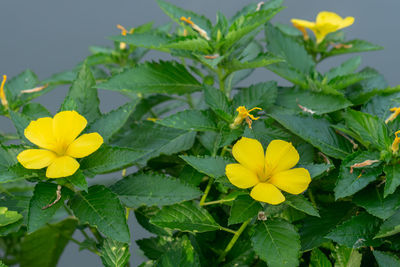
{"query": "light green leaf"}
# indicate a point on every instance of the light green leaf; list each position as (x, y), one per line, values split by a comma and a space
(243, 208)
(261, 95)
(210, 166)
(152, 39)
(346, 257)
(319, 259)
(152, 189)
(342, 82)
(114, 253)
(82, 95)
(180, 253)
(20, 121)
(101, 208)
(347, 67)
(356, 232)
(261, 60)
(152, 77)
(109, 124)
(392, 178)
(218, 102)
(187, 216)
(191, 120)
(143, 216)
(299, 202)
(8, 217)
(276, 242)
(373, 201)
(390, 227)
(43, 195)
(35, 111)
(43, 247)
(356, 46)
(316, 131)
(386, 259)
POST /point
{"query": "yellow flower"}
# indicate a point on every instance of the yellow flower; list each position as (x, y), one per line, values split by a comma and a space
(267, 174)
(244, 114)
(325, 23)
(59, 146)
(396, 142)
(124, 32)
(396, 112)
(3, 98)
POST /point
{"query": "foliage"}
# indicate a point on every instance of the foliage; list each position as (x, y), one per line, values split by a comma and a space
(177, 130)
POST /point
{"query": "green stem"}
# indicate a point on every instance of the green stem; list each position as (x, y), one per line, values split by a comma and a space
(233, 240)
(203, 198)
(221, 79)
(218, 201)
(311, 196)
(227, 230)
(190, 100)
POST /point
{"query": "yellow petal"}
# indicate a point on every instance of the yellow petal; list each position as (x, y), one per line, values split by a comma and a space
(268, 193)
(84, 145)
(36, 158)
(294, 181)
(67, 125)
(40, 132)
(62, 167)
(348, 21)
(280, 156)
(303, 23)
(250, 153)
(240, 176)
(328, 17)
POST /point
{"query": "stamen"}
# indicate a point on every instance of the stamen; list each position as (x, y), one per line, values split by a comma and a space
(124, 32)
(259, 5)
(306, 109)
(395, 144)
(244, 114)
(58, 194)
(365, 163)
(195, 27)
(355, 145)
(396, 112)
(34, 90)
(3, 98)
(338, 46)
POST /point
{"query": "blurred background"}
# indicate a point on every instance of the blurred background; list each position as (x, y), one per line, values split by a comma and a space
(49, 36)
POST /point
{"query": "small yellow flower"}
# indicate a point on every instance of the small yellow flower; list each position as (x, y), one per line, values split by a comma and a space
(325, 23)
(244, 114)
(267, 174)
(2, 93)
(393, 116)
(396, 142)
(58, 144)
(124, 32)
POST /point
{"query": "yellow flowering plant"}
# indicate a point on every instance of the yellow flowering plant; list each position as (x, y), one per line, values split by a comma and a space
(219, 171)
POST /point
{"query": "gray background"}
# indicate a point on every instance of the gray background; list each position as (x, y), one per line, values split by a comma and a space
(49, 36)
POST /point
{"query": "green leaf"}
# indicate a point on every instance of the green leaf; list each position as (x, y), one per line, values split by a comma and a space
(8, 217)
(114, 253)
(261, 95)
(342, 82)
(356, 46)
(346, 257)
(386, 259)
(2, 264)
(392, 178)
(152, 77)
(243, 25)
(101, 208)
(180, 253)
(372, 200)
(191, 120)
(314, 229)
(298, 99)
(78, 180)
(35, 111)
(44, 247)
(347, 67)
(218, 102)
(317, 170)
(108, 159)
(390, 227)
(20, 121)
(319, 259)
(43, 195)
(190, 43)
(154, 139)
(143, 216)
(152, 189)
(276, 242)
(299, 202)
(356, 232)
(316, 131)
(153, 247)
(380, 104)
(243, 208)
(151, 40)
(187, 216)
(261, 60)
(289, 73)
(210, 166)
(82, 95)
(109, 124)
(286, 46)
(350, 183)
(176, 13)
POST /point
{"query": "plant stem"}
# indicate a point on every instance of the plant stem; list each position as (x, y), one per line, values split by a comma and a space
(203, 198)
(221, 79)
(233, 240)
(218, 201)
(228, 230)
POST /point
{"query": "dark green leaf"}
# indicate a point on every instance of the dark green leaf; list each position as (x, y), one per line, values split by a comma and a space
(185, 216)
(347, 67)
(152, 189)
(356, 232)
(261, 60)
(346, 257)
(355, 46)
(277, 243)
(114, 253)
(392, 178)
(82, 95)
(317, 170)
(78, 180)
(386, 259)
(261, 95)
(35, 111)
(243, 208)
(319, 259)
(20, 122)
(211, 166)
(101, 208)
(390, 227)
(299, 202)
(180, 253)
(191, 120)
(218, 102)
(143, 216)
(43, 247)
